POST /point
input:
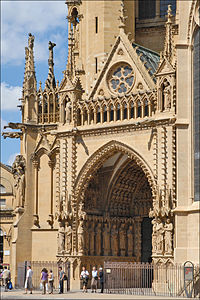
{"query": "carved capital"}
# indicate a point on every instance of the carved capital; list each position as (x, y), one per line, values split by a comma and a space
(50, 220)
(36, 221)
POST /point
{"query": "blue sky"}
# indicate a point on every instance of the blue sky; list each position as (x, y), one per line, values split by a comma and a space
(46, 20)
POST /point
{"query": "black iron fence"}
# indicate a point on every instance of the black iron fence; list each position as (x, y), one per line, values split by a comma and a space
(148, 279)
(37, 267)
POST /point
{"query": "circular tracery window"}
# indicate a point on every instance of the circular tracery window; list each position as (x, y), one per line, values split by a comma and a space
(121, 78)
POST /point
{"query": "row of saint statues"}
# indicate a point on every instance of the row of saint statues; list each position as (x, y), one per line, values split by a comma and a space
(106, 239)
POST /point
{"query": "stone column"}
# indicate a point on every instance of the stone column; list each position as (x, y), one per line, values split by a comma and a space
(137, 240)
(36, 217)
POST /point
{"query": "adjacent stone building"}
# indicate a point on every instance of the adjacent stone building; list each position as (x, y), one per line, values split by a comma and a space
(109, 163)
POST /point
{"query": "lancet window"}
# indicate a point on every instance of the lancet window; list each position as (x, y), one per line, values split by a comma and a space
(109, 110)
(47, 108)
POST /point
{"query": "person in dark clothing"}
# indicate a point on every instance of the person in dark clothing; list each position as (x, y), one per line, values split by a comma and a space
(101, 277)
(61, 280)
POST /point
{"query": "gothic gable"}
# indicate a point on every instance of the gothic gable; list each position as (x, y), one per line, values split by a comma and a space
(164, 68)
(129, 68)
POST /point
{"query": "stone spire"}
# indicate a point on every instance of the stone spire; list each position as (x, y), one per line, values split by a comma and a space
(168, 48)
(71, 57)
(29, 74)
(50, 82)
(122, 17)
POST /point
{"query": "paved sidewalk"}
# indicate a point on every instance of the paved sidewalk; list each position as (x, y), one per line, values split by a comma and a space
(19, 294)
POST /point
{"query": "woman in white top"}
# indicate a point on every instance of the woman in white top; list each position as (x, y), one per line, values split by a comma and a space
(51, 280)
(84, 276)
(28, 282)
(94, 280)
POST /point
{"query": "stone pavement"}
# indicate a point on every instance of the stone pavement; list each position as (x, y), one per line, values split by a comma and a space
(19, 294)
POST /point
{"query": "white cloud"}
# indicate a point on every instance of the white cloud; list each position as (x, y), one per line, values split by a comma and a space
(44, 19)
(10, 96)
(12, 158)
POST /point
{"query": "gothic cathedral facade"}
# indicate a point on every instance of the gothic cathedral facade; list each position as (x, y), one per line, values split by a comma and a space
(109, 163)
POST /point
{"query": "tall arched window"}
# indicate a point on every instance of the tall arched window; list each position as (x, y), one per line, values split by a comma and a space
(125, 111)
(146, 112)
(104, 114)
(111, 113)
(98, 115)
(132, 109)
(147, 9)
(78, 117)
(139, 111)
(118, 112)
(196, 114)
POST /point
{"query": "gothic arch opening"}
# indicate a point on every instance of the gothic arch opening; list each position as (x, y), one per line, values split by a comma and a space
(116, 205)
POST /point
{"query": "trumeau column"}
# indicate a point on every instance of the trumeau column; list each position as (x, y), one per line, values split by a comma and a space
(137, 238)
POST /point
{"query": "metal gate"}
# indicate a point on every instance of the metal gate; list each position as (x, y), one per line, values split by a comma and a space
(37, 267)
(144, 279)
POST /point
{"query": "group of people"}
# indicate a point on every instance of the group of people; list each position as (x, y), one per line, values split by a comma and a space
(46, 278)
(95, 276)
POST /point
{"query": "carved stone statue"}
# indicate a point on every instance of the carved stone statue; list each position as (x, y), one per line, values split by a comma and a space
(68, 112)
(18, 170)
(114, 240)
(98, 239)
(130, 240)
(168, 237)
(61, 239)
(167, 95)
(154, 236)
(80, 233)
(106, 239)
(68, 238)
(122, 239)
(160, 236)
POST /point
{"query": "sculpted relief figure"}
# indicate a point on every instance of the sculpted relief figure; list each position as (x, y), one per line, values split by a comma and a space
(168, 237)
(68, 112)
(68, 238)
(98, 239)
(167, 95)
(18, 170)
(122, 239)
(114, 240)
(154, 236)
(80, 237)
(160, 236)
(61, 239)
(130, 240)
(106, 239)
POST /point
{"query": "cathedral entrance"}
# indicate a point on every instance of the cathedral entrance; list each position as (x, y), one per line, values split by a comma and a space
(116, 205)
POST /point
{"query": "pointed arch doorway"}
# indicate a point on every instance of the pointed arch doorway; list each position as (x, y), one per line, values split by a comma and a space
(116, 202)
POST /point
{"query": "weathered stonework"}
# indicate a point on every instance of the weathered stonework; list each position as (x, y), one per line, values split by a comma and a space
(109, 165)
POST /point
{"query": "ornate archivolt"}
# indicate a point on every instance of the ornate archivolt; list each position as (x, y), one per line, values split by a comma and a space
(96, 160)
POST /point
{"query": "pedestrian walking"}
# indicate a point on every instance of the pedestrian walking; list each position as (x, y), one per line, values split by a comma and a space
(101, 277)
(44, 279)
(28, 282)
(94, 280)
(51, 281)
(6, 277)
(61, 275)
(85, 277)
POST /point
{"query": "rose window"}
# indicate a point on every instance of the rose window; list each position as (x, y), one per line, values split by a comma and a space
(121, 78)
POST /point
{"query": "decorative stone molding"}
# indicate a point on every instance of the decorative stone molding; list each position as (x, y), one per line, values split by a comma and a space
(96, 160)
